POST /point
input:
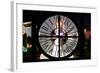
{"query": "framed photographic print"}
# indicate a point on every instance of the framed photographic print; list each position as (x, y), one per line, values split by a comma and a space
(51, 35)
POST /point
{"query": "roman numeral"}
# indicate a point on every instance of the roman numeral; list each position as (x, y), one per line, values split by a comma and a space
(69, 24)
(72, 32)
(45, 28)
(43, 33)
(56, 51)
(63, 18)
(45, 45)
(48, 25)
(64, 52)
(67, 21)
(49, 48)
(68, 49)
(50, 51)
(51, 22)
(71, 29)
(45, 40)
(73, 43)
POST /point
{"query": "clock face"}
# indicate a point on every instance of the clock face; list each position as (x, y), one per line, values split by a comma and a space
(58, 36)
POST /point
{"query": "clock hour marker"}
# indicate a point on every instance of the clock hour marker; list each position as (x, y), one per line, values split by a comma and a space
(69, 25)
(68, 49)
(66, 21)
(46, 44)
(72, 32)
(50, 51)
(61, 51)
(51, 22)
(48, 25)
(45, 28)
(63, 18)
(71, 29)
(49, 48)
(45, 40)
(55, 51)
(43, 32)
